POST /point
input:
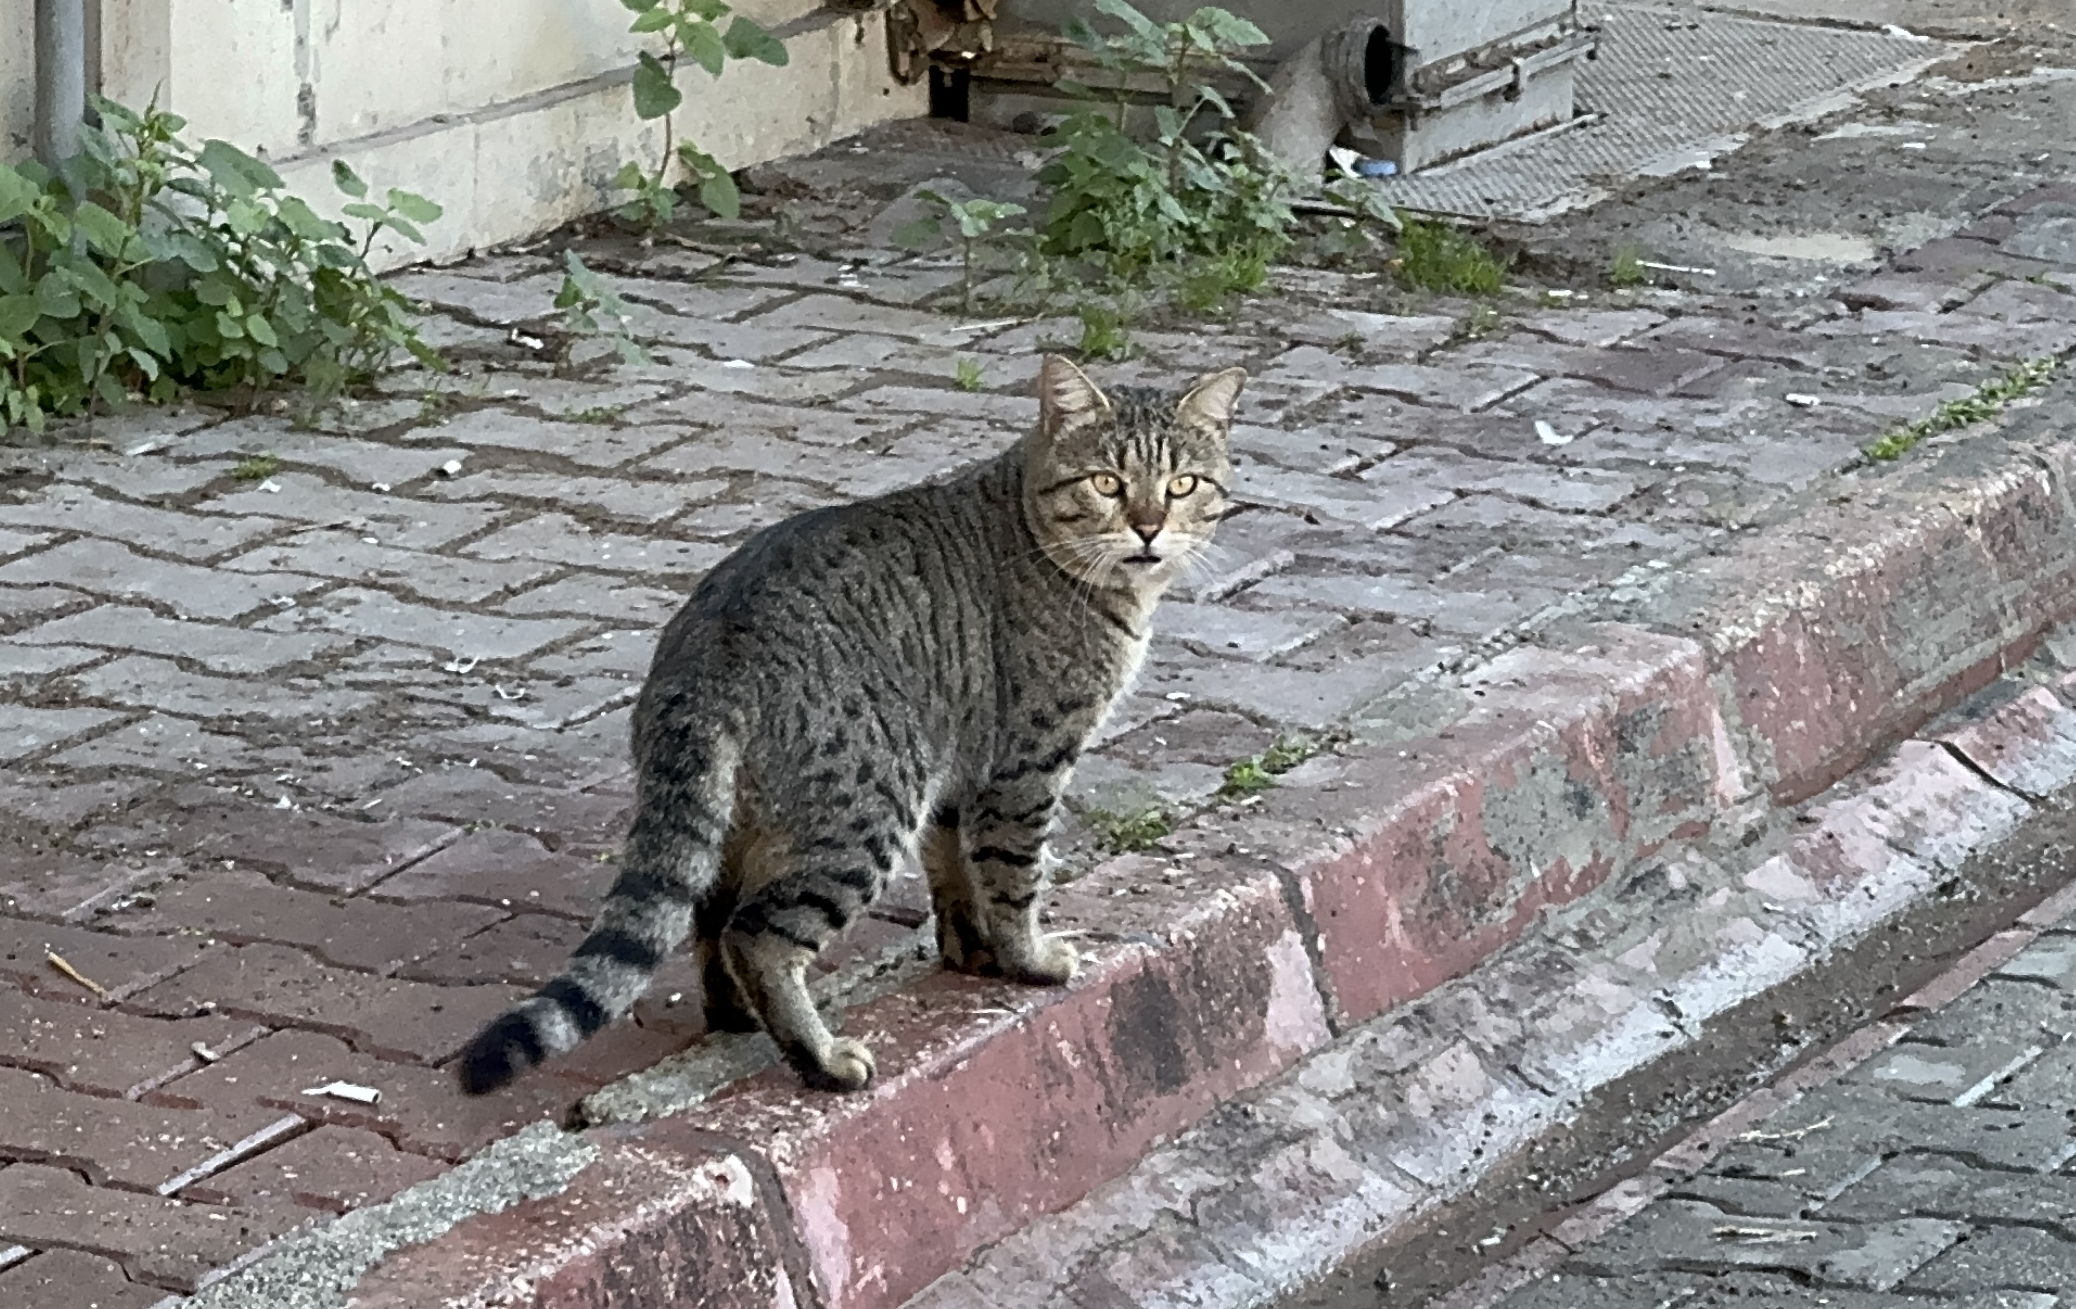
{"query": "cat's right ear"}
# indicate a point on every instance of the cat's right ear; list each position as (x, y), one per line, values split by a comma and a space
(1066, 398)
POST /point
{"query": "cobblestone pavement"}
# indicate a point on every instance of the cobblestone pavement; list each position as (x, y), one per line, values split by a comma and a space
(1935, 1171)
(315, 735)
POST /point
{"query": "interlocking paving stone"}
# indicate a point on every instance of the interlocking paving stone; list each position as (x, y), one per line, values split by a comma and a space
(116, 963)
(198, 537)
(395, 520)
(220, 649)
(362, 612)
(286, 987)
(362, 463)
(332, 1169)
(14, 543)
(349, 557)
(640, 502)
(585, 443)
(25, 604)
(418, 1108)
(242, 907)
(106, 568)
(504, 870)
(598, 595)
(105, 1051)
(161, 684)
(68, 1279)
(162, 744)
(24, 731)
(2008, 1258)
(121, 1143)
(560, 539)
(169, 1243)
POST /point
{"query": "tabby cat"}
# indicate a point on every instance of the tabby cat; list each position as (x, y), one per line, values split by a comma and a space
(913, 674)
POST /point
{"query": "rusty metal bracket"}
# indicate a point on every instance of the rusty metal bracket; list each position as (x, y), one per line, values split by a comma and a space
(947, 33)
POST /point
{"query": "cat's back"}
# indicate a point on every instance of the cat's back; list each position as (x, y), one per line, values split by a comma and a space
(868, 571)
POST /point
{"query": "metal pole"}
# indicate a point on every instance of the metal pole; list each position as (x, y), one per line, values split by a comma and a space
(60, 78)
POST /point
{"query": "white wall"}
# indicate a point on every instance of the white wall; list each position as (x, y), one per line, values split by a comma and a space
(17, 76)
(511, 113)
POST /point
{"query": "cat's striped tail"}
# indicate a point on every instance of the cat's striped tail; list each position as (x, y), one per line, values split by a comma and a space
(669, 861)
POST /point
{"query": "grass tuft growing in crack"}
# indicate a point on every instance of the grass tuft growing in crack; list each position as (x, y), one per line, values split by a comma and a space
(1434, 256)
(1253, 776)
(1989, 400)
(1130, 833)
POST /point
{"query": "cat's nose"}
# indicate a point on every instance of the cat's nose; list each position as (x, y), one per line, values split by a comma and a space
(1147, 531)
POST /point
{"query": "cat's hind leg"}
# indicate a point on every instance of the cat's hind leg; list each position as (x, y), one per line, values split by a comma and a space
(833, 870)
(959, 936)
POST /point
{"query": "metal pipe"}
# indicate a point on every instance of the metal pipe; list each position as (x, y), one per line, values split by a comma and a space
(60, 79)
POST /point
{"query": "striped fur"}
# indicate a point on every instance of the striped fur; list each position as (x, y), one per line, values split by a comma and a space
(913, 675)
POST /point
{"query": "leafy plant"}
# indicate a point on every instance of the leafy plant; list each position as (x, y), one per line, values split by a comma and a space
(1989, 400)
(1105, 332)
(258, 468)
(591, 308)
(1437, 257)
(690, 30)
(1130, 209)
(150, 267)
(966, 375)
(973, 221)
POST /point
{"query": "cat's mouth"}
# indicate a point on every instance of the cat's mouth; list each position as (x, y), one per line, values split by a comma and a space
(1143, 557)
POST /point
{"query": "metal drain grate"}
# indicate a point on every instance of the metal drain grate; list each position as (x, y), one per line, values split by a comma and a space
(1671, 89)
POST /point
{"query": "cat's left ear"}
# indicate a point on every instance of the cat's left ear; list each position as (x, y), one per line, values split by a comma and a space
(1210, 403)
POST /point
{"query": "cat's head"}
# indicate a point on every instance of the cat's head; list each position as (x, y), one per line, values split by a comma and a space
(1124, 490)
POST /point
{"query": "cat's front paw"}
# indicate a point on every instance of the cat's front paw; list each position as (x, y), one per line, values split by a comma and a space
(847, 1066)
(1052, 962)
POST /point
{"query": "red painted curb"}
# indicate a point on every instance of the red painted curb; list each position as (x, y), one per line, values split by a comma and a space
(1005, 1104)
(1777, 667)
(651, 1223)
(1855, 624)
(1569, 766)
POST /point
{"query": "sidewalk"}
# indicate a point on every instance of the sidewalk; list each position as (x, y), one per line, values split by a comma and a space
(315, 740)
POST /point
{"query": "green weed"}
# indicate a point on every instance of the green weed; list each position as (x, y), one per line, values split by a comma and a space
(1434, 256)
(1627, 270)
(691, 32)
(1105, 332)
(148, 267)
(1251, 776)
(1986, 403)
(1130, 833)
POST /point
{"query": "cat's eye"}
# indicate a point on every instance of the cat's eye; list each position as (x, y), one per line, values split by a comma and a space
(1107, 483)
(1182, 486)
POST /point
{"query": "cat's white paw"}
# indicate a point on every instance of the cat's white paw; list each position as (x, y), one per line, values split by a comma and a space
(1053, 963)
(848, 1066)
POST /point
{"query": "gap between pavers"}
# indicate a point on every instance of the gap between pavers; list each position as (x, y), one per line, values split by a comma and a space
(1687, 704)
